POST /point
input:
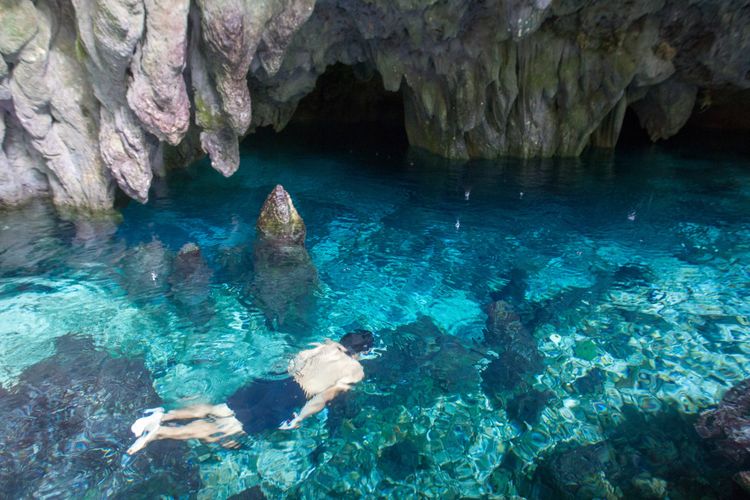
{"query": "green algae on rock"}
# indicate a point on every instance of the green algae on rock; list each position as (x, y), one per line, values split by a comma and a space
(279, 221)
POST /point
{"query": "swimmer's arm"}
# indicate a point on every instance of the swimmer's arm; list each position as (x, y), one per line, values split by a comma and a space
(315, 404)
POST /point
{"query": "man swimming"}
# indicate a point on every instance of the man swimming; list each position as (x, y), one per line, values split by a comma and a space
(317, 376)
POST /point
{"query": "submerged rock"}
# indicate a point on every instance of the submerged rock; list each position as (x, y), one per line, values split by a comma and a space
(423, 362)
(527, 406)
(191, 276)
(644, 456)
(283, 284)
(402, 459)
(582, 473)
(503, 326)
(145, 270)
(254, 493)
(649, 487)
(190, 282)
(591, 382)
(65, 426)
(514, 292)
(421, 365)
(518, 356)
(728, 426)
(285, 276)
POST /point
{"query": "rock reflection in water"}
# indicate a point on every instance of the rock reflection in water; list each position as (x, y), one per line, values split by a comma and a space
(285, 276)
(29, 239)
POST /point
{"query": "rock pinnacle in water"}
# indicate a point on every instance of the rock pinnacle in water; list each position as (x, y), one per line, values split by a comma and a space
(279, 221)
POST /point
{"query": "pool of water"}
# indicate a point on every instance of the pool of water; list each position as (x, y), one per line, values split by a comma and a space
(628, 276)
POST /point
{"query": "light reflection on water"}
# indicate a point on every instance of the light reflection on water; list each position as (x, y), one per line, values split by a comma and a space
(628, 274)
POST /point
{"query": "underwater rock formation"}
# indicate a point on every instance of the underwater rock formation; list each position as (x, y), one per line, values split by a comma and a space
(430, 363)
(191, 276)
(581, 473)
(284, 275)
(727, 428)
(254, 493)
(421, 364)
(65, 426)
(518, 356)
(528, 406)
(145, 270)
(642, 457)
(190, 283)
(102, 93)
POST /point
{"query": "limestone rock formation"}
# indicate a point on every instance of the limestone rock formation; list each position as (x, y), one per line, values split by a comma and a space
(279, 221)
(157, 93)
(284, 275)
(97, 95)
(190, 277)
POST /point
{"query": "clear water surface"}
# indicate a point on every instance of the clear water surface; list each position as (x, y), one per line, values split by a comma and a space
(628, 272)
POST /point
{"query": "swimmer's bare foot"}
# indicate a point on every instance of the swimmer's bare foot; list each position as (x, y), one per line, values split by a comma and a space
(142, 441)
(152, 417)
(146, 428)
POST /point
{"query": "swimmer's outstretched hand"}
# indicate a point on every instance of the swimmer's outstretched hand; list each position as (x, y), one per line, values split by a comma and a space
(292, 423)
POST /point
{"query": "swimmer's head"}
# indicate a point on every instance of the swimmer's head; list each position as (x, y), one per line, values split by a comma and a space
(357, 342)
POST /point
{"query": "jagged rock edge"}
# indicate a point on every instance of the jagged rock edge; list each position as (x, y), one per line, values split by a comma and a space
(91, 97)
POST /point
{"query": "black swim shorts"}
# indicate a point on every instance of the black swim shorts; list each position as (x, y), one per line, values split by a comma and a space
(263, 405)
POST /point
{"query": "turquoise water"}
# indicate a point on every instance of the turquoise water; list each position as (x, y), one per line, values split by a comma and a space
(628, 274)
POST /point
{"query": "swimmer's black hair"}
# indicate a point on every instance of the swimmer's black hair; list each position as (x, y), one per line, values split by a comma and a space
(357, 341)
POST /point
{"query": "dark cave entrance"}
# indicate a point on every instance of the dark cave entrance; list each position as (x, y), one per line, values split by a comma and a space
(719, 122)
(632, 134)
(350, 109)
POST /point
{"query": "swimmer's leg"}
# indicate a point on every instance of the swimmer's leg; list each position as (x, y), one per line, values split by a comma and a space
(208, 431)
(198, 411)
(205, 430)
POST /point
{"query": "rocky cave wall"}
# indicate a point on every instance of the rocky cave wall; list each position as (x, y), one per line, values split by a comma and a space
(97, 95)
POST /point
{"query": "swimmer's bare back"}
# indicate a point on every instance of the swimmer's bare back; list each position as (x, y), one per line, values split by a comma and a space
(323, 372)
